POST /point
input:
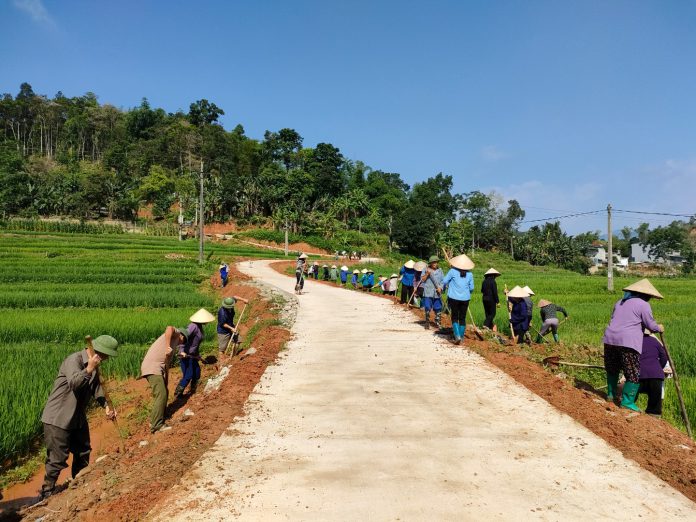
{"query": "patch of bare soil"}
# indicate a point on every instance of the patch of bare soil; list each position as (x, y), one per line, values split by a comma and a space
(126, 486)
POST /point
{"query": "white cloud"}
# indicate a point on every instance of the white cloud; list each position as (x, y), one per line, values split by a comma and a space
(493, 153)
(36, 10)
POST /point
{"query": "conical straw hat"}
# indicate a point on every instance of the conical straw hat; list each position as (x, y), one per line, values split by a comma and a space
(202, 316)
(344, 268)
(356, 271)
(302, 256)
(462, 262)
(517, 292)
(393, 276)
(409, 264)
(644, 287)
(492, 271)
(363, 271)
(544, 303)
(528, 290)
(420, 266)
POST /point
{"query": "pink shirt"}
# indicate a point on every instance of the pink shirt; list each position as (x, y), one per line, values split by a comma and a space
(158, 355)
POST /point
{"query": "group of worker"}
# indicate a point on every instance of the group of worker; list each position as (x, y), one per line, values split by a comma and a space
(64, 417)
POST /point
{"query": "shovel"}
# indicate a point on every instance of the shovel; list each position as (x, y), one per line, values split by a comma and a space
(107, 397)
(555, 360)
(685, 417)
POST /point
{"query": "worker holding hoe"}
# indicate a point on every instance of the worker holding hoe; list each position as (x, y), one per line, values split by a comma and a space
(491, 300)
(189, 353)
(300, 269)
(225, 323)
(549, 319)
(155, 369)
(459, 283)
(519, 318)
(432, 283)
(354, 279)
(64, 417)
(344, 275)
(407, 274)
(623, 340)
(333, 274)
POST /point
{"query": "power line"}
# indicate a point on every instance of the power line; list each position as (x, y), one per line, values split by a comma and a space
(563, 217)
(655, 213)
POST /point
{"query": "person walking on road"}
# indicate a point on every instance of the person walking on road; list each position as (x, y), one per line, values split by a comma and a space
(155, 369)
(225, 323)
(459, 283)
(407, 280)
(491, 301)
(64, 417)
(189, 353)
(623, 340)
(300, 269)
(519, 318)
(549, 319)
(432, 283)
(653, 367)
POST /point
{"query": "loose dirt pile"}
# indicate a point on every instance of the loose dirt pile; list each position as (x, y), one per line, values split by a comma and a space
(125, 487)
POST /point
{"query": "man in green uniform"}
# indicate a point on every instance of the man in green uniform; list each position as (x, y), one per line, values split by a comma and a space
(64, 417)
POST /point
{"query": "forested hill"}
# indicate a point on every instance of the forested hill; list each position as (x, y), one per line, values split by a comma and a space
(72, 156)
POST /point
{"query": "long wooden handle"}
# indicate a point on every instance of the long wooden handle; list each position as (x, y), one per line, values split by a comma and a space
(105, 390)
(685, 416)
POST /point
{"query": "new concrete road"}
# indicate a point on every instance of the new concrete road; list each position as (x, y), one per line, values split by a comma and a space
(367, 416)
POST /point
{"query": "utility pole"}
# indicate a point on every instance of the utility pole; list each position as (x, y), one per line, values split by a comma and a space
(201, 220)
(286, 238)
(610, 253)
(512, 248)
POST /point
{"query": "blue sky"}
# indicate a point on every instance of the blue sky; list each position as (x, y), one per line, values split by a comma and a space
(565, 106)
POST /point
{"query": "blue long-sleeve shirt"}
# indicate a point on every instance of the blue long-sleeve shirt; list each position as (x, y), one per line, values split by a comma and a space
(459, 287)
(370, 280)
(407, 275)
(344, 276)
(194, 341)
(518, 315)
(225, 316)
(354, 280)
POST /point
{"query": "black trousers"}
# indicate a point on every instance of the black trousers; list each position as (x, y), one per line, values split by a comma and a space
(653, 388)
(458, 310)
(406, 292)
(59, 444)
(489, 307)
(300, 279)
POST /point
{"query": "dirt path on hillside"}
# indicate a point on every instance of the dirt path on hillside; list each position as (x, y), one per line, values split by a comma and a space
(369, 417)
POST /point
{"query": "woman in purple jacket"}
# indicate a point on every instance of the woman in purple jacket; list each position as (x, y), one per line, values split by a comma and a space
(623, 340)
(653, 360)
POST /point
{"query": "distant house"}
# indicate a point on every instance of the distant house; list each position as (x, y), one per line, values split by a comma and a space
(598, 255)
(640, 254)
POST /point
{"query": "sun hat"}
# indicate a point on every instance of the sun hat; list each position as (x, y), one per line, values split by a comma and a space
(644, 287)
(544, 303)
(433, 259)
(462, 262)
(344, 268)
(302, 256)
(228, 302)
(382, 279)
(492, 271)
(363, 271)
(370, 271)
(356, 271)
(409, 264)
(183, 331)
(222, 265)
(202, 316)
(393, 276)
(106, 344)
(518, 292)
(528, 290)
(333, 266)
(420, 266)
(325, 266)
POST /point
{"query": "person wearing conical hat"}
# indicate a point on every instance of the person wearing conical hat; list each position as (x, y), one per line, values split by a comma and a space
(392, 284)
(300, 269)
(315, 270)
(64, 417)
(432, 284)
(189, 353)
(549, 319)
(491, 300)
(407, 274)
(225, 323)
(363, 280)
(344, 275)
(333, 273)
(224, 273)
(155, 369)
(519, 319)
(370, 279)
(530, 309)
(623, 340)
(459, 283)
(354, 279)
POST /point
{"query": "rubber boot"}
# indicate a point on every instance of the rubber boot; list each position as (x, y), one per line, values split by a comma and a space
(438, 320)
(612, 385)
(556, 338)
(194, 387)
(427, 320)
(457, 335)
(179, 392)
(630, 392)
(538, 339)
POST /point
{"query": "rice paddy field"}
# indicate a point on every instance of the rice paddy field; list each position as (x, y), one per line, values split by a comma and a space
(56, 288)
(590, 304)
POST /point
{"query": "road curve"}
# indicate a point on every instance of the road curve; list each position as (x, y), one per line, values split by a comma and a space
(367, 416)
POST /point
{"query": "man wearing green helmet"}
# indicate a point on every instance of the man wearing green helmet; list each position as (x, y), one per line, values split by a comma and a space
(64, 417)
(225, 323)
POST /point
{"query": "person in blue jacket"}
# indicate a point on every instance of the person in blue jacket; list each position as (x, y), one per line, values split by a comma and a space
(370, 280)
(459, 283)
(518, 313)
(407, 274)
(354, 279)
(363, 280)
(344, 275)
